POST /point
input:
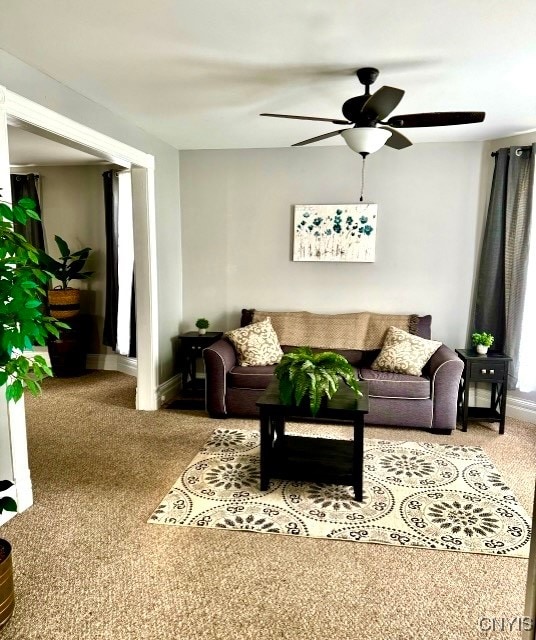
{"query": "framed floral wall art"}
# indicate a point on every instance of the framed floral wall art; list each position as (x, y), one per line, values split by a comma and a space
(335, 232)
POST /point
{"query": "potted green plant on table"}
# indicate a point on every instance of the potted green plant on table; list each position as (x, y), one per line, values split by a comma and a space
(202, 325)
(306, 375)
(482, 341)
(23, 324)
(63, 300)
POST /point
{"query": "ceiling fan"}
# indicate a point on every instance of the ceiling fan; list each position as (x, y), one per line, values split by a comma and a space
(367, 114)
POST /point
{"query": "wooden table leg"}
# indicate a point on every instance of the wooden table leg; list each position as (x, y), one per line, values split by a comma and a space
(266, 446)
(465, 409)
(359, 429)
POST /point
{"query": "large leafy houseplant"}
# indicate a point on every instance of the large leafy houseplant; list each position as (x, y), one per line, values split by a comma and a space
(302, 373)
(23, 322)
(69, 265)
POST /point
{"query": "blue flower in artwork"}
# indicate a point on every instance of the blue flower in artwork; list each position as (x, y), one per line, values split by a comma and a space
(302, 223)
(317, 221)
(339, 212)
(337, 228)
(306, 214)
(363, 219)
(317, 234)
(328, 232)
(310, 227)
(349, 220)
(367, 229)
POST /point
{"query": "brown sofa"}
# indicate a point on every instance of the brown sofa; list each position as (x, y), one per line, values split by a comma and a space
(427, 401)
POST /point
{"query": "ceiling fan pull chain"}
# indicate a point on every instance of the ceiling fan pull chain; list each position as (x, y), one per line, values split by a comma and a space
(362, 178)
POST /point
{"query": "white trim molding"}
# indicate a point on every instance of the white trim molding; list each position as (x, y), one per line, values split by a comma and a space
(45, 122)
(169, 389)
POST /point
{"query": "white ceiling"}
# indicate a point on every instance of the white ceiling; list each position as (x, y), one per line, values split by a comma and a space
(197, 73)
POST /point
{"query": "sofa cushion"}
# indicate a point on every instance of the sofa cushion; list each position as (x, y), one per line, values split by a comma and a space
(251, 377)
(384, 384)
(256, 345)
(404, 353)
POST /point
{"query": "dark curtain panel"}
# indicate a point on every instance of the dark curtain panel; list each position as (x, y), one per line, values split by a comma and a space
(502, 275)
(489, 313)
(25, 186)
(111, 215)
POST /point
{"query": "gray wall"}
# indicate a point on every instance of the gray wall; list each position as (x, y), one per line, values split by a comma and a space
(236, 216)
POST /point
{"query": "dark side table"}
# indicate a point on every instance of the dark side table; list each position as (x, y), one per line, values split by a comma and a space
(492, 368)
(191, 349)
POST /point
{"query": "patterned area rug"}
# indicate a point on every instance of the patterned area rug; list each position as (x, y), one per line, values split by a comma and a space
(433, 496)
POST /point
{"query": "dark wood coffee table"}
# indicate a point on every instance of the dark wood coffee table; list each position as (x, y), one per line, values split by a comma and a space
(315, 459)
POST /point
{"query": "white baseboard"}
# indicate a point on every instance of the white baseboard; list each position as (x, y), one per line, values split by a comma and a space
(515, 407)
(168, 389)
(112, 362)
(127, 365)
(99, 361)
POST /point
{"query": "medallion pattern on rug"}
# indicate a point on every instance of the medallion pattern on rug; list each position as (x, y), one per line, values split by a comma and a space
(425, 495)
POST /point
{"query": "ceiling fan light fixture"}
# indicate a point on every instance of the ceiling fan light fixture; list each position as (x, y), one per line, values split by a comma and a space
(365, 139)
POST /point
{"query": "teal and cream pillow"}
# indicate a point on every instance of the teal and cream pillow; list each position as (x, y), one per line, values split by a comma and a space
(256, 344)
(403, 352)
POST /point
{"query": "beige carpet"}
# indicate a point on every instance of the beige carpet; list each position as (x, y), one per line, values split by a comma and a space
(88, 566)
(424, 495)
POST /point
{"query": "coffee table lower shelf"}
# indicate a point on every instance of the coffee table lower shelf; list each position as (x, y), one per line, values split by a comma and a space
(312, 460)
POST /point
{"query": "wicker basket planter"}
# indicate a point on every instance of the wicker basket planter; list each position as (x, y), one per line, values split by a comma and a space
(64, 303)
(7, 592)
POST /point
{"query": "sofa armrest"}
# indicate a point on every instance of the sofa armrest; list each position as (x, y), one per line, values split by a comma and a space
(445, 370)
(219, 358)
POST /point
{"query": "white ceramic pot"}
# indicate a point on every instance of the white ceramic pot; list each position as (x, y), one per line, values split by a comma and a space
(202, 332)
(481, 349)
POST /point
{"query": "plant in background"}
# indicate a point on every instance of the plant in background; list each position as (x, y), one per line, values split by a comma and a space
(202, 325)
(69, 266)
(22, 321)
(485, 339)
(305, 374)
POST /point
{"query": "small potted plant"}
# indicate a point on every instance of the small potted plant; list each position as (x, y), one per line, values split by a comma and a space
(202, 325)
(305, 375)
(482, 342)
(63, 300)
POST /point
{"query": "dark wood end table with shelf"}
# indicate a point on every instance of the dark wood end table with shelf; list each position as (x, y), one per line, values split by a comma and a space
(192, 344)
(316, 459)
(493, 368)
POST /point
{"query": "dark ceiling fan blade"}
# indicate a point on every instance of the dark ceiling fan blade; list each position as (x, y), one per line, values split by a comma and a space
(282, 115)
(382, 102)
(317, 138)
(436, 119)
(396, 140)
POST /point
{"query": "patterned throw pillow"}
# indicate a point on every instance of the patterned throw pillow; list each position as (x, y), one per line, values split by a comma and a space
(404, 353)
(256, 344)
